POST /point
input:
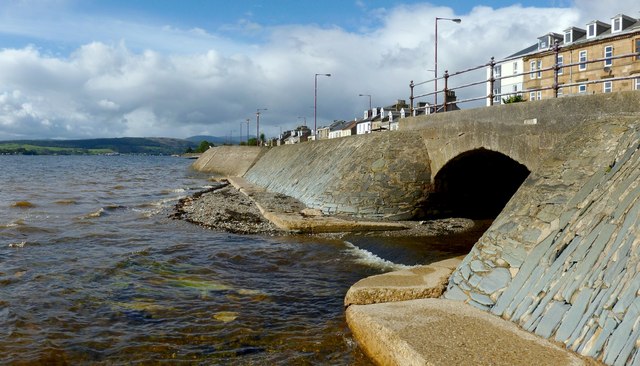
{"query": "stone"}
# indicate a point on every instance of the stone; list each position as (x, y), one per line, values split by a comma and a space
(455, 293)
(478, 266)
(481, 299)
(495, 280)
(551, 319)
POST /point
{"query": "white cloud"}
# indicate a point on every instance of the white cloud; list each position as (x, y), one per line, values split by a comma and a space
(164, 81)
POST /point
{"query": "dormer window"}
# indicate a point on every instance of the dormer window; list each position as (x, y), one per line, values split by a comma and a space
(573, 34)
(548, 40)
(567, 37)
(621, 22)
(596, 28)
(616, 25)
(542, 44)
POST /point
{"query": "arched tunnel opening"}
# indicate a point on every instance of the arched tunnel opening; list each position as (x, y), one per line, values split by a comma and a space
(467, 194)
(476, 184)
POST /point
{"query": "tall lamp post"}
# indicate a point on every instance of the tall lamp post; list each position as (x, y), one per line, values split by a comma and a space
(248, 131)
(435, 72)
(366, 95)
(258, 142)
(315, 105)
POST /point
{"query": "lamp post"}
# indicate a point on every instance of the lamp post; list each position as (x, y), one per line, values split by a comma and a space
(248, 130)
(315, 105)
(435, 72)
(366, 95)
(258, 142)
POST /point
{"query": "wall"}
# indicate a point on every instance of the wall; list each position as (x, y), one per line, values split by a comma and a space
(379, 175)
(228, 160)
(562, 260)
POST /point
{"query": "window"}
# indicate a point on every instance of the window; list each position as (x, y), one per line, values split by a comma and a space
(532, 95)
(560, 63)
(539, 94)
(514, 88)
(515, 67)
(583, 59)
(496, 95)
(567, 37)
(617, 24)
(606, 87)
(637, 48)
(539, 68)
(560, 92)
(542, 44)
(497, 71)
(608, 53)
(582, 88)
(637, 86)
(591, 30)
(532, 69)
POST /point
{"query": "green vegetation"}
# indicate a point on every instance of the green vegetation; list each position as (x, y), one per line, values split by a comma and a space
(126, 145)
(204, 146)
(513, 99)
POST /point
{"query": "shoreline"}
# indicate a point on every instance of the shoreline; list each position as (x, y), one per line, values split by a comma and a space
(226, 208)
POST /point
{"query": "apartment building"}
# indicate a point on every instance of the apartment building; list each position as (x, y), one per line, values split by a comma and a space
(596, 51)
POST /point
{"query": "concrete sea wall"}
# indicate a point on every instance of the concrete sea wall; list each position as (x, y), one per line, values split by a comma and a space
(379, 175)
(228, 160)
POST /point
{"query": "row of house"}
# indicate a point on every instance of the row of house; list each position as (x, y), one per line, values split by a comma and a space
(374, 120)
(600, 58)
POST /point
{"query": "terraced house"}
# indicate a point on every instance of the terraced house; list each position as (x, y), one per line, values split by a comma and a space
(602, 58)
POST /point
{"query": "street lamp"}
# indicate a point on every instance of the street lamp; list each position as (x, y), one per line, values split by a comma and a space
(455, 20)
(366, 95)
(248, 131)
(258, 142)
(315, 105)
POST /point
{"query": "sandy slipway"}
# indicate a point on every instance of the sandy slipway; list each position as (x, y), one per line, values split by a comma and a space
(237, 206)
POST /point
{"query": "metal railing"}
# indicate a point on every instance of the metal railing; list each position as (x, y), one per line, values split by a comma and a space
(556, 68)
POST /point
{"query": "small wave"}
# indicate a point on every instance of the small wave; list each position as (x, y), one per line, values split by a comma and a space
(23, 204)
(367, 258)
(18, 222)
(95, 214)
(18, 245)
(66, 202)
(175, 190)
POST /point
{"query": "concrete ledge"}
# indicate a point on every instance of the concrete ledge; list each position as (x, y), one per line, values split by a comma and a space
(419, 282)
(445, 332)
(290, 214)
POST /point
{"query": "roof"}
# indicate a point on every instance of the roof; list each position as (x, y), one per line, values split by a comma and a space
(530, 49)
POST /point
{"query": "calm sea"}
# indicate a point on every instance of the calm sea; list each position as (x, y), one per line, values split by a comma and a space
(92, 271)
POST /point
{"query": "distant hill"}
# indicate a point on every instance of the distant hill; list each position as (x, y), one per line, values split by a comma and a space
(214, 139)
(123, 145)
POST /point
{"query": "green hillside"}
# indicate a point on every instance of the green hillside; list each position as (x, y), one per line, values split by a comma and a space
(124, 145)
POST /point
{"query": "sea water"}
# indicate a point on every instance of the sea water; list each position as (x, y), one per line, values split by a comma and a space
(93, 271)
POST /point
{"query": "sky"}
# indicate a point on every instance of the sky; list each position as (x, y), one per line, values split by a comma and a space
(75, 69)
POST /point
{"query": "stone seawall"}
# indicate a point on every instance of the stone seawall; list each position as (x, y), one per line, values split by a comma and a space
(228, 160)
(379, 175)
(563, 259)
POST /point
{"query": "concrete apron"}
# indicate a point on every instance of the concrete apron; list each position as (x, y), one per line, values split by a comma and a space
(397, 319)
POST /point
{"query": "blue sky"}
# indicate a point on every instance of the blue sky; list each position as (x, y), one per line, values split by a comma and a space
(90, 68)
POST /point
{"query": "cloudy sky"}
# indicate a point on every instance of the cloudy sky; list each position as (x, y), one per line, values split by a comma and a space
(112, 68)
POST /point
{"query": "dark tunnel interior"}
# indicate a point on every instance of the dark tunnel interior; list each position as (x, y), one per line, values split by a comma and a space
(476, 184)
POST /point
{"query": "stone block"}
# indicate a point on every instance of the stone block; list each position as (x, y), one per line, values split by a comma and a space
(551, 319)
(495, 280)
